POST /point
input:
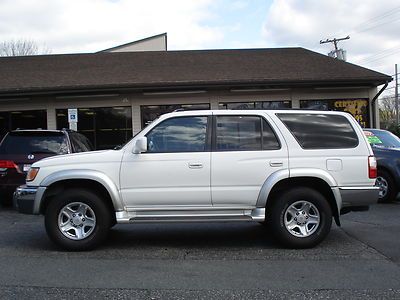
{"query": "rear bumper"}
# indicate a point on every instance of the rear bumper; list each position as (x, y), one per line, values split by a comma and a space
(27, 199)
(359, 196)
(9, 181)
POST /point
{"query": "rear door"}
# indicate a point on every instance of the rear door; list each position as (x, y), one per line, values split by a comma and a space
(246, 151)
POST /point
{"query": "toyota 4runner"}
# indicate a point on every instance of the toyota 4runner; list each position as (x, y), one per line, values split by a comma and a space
(291, 170)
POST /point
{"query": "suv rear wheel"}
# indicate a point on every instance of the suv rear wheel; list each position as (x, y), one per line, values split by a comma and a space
(301, 218)
(77, 220)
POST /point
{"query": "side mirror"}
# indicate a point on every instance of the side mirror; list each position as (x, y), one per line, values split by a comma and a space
(140, 145)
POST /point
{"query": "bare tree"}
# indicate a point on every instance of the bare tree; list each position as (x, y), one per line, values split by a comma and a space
(22, 47)
(387, 111)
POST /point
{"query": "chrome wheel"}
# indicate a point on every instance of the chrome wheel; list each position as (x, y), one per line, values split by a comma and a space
(383, 185)
(302, 218)
(76, 221)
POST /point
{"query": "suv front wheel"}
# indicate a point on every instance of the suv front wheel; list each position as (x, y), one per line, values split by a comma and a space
(300, 218)
(77, 220)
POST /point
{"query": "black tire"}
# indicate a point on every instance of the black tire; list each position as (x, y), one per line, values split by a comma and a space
(299, 196)
(93, 205)
(384, 178)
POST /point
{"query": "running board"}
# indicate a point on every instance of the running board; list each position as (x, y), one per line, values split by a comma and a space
(191, 215)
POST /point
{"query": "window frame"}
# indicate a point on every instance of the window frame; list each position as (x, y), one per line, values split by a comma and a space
(208, 134)
(93, 131)
(261, 118)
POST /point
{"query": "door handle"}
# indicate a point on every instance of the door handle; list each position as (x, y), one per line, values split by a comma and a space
(195, 165)
(276, 164)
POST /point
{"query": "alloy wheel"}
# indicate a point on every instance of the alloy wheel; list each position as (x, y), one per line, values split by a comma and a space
(76, 221)
(302, 218)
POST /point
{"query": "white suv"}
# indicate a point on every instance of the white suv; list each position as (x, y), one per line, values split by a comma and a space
(293, 170)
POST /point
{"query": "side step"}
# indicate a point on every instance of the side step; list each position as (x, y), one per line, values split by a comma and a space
(190, 215)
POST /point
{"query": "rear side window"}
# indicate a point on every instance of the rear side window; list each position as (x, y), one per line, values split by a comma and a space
(244, 133)
(320, 131)
(34, 142)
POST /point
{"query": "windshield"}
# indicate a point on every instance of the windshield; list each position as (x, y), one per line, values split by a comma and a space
(34, 142)
(382, 139)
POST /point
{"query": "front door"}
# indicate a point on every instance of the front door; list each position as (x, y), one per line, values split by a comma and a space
(175, 171)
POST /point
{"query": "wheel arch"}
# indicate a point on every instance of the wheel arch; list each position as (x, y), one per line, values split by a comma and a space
(320, 181)
(387, 170)
(93, 180)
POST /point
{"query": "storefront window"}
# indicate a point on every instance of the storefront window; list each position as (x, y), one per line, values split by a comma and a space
(151, 112)
(105, 127)
(24, 119)
(4, 124)
(357, 107)
(256, 105)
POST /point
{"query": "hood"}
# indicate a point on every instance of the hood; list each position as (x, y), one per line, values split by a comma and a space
(81, 158)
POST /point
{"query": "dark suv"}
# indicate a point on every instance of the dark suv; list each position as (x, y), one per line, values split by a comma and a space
(21, 148)
(386, 147)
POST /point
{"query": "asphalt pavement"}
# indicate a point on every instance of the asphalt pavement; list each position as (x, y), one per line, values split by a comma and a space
(360, 260)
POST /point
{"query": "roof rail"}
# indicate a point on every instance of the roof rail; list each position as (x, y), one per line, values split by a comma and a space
(29, 128)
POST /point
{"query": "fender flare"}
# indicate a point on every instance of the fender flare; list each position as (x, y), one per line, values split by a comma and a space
(97, 176)
(279, 175)
(268, 184)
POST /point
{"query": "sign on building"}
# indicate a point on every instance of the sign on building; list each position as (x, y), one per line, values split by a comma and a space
(73, 118)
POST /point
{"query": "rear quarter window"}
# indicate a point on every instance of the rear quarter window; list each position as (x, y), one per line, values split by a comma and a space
(320, 131)
(34, 142)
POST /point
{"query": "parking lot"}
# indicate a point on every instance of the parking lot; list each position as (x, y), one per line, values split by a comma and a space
(211, 261)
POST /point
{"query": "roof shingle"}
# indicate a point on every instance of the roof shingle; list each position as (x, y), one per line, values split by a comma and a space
(158, 69)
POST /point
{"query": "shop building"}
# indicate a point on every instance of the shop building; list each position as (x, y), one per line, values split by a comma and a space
(117, 93)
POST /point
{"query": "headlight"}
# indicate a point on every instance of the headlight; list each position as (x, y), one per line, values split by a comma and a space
(32, 174)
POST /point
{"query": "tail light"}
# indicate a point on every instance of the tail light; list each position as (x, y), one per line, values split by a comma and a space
(8, 164)
(372, 167)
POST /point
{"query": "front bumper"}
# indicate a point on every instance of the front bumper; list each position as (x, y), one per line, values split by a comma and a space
(27, 199)
(359, 196)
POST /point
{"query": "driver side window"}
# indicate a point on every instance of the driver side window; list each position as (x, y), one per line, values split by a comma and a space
(180, 134)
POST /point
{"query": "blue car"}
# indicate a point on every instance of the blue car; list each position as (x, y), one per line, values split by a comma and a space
(386, 147)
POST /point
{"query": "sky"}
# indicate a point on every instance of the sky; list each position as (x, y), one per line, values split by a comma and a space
(76, 26)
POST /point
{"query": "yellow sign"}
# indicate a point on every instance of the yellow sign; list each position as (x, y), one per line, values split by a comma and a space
(358, 108)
